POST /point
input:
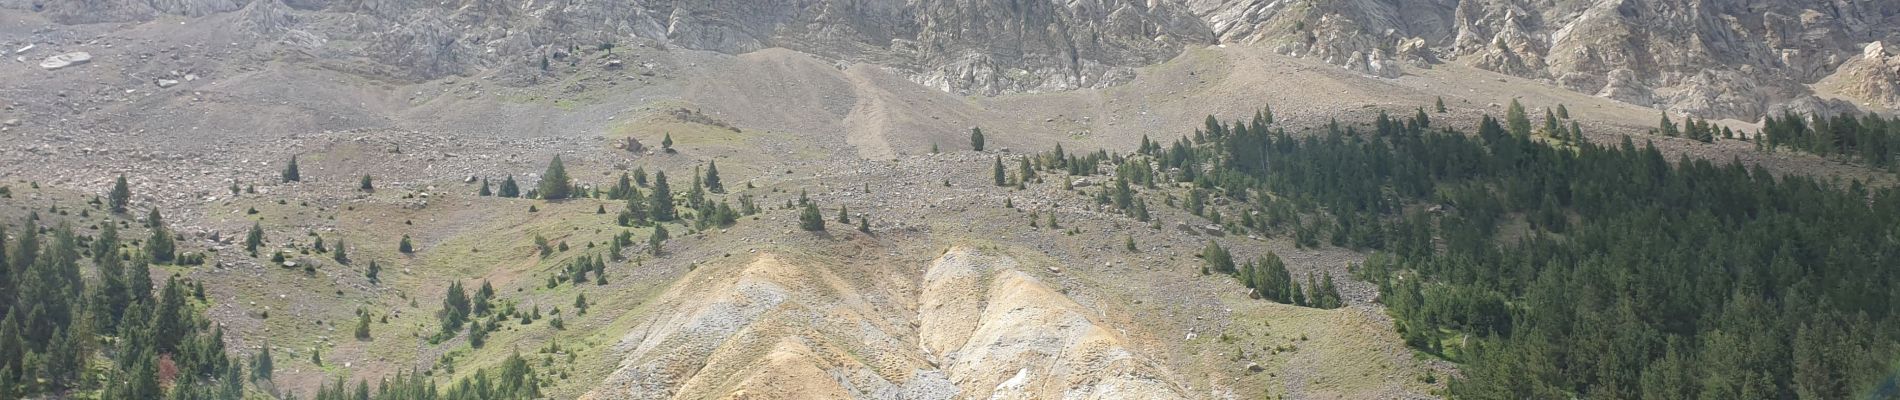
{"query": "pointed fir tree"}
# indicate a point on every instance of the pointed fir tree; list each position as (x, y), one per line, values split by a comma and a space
(1440, 104)
(484, 192)
(810, 219)
(121, 194)
(667, 143)
(509, 188)
(997, 172)
(660, 202)
(712, 178)
(1517, 120)
(404, 246)
(366, 185)
(290, 171)
(658, 239)
(844, 216)
(555, 184)
(976, 139)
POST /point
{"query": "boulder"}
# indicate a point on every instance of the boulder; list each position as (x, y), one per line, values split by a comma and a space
(66, 60)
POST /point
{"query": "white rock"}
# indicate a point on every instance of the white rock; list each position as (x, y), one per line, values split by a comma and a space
(66, 60)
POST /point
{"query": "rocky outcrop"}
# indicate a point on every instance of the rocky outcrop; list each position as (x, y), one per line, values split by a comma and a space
(1702, 57)
(963, 46)
(781, 328)
(1873, 78)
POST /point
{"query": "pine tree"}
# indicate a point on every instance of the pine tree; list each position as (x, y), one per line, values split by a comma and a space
(160, 247)
(366, 185)
(712, 178)
(660, 205)
(1217, 258)
(254, 239)
(484, 192)
(362, 326)
(657, 240)
(810, 219)
(404, 246)
(976, 139)
(373, 272)
(341, 255)
(455, 308)
(998, 172)
(1667, 128)
(121, 194)
(864, 224)
(509, 188)
(1520, 124)
(290, 171)
(1441, 104)
(844, 217)
(555, 184)
(1130, 244)
(262, 367)
(1424, 121)
(667, 143)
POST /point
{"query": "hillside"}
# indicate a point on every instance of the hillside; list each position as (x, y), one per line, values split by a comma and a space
(1077, 253)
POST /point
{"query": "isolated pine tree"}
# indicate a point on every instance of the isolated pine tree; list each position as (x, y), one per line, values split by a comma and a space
(1441, 104)
(660, 203)
(484, 192)
(404, 246)
(362, 326)
(976, 139)
(555, 184)
(712, 178)
(864, 224)
(121, 194)
(810, 219)
(509, 188)
(290, 171)
(365, 184)
(844, 216)
(254, 239)
(657, 240)
(341, 255)
(667, 143)
(1517, 120)
(997, 171)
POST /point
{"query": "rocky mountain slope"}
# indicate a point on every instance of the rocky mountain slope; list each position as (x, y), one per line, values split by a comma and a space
(1710, 58)
(1701, 57)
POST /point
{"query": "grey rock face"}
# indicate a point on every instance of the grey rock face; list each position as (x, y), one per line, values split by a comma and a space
(1705, 57)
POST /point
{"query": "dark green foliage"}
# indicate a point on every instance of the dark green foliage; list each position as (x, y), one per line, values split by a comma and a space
(1218, 259)
(810, 219)
(366, 185)
(121, 194)
(1440, 105)
(667, 143)
(864, 224)
(712, 178)
(660, 204)
(254, 239)
(484, 192)
(455, 310)
(997, 172)
(655, 242)
(362, 326)
(1870, 138)
(1641, 277)
(373, 272)
(844, 216)
(555, 184)
(509, 188)
(341, 255)
(161, 247)
(404, 246)
(290, 171)
(1519, 122)
(976, 139)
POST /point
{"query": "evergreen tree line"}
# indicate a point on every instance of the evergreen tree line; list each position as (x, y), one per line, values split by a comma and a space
(1868, 138)
(1639, 278)
(67, 332)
